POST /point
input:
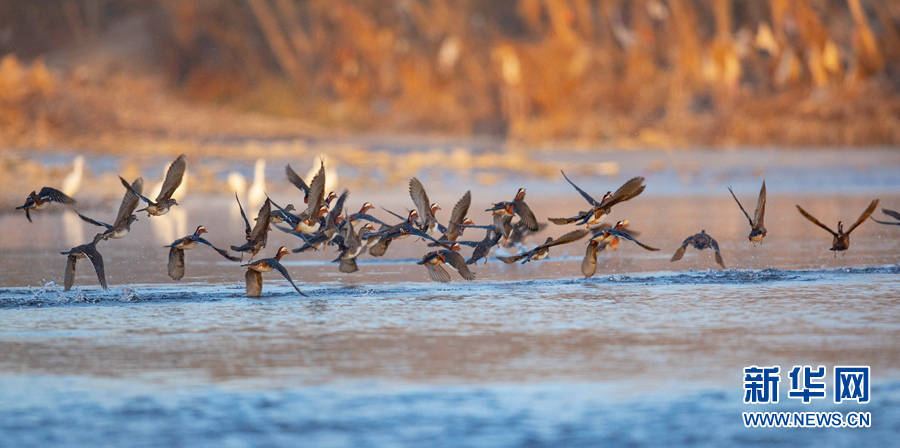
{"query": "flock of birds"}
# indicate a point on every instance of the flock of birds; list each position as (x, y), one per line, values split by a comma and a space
(325, 222)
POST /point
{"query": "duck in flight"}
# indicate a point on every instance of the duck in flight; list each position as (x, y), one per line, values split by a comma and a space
(542, 251)
(164, 200)
(841, 240)
(43, 198)
(253, 277)
(757, 228)
(177, 248)
(700, 241)
(504, 211)
(90, 252)
(605, 236)
(435, 260)
(601, 208)
(256, 237)
(122, 225)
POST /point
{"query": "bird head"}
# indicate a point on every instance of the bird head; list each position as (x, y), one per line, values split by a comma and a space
(435, 208)
(454, 247)
(323, 210)
(413, 216)
(201, 229)
(621, 224)
(366, 207)
(330, 197)
(282, 251)
(840, 226)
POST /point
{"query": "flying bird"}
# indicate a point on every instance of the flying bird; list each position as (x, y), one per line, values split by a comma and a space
(542, 251)
(841, 240)
(256, 237)
(90, 252)
(40, 200)
(177, 248)
(757, 228)
(700, 241)
(504, 211)
(892, 214)
(253, 277)
(164, 200)
(601, 208)
(435, 260)
(122, 225)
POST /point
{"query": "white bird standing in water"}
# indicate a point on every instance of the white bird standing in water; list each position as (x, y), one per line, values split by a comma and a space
(257, 192)
(166, 228)
(237, 183)
(331, 177)
(74, 227)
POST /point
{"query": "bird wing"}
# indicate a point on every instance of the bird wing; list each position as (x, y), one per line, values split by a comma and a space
(380, 247)
(129, 202)
(420, 198)
(760, 212)
(814, 220)
(176, 263)
(460, 210)
(684, 244)
(316, 194)
(133, 191)
(715, 246)
(749, 219)
(886, 222)
(459, 263)
(891, 213)
(524, 211)
(243, 215)
(280, 268)
(864, 216)
(94, 222)
(570, 237)
(627, 191)
(173, 179)
(348, 265)
(261, 228)
(253, 280)
(221, 252)
(97, 260)
(367, 217)
(55, 195)
(338, 207)
(561, 221)
(438, 273)
(515, 258)
(583, 193)
(631, 238)
(295, 179)
(70, 271)
(589, 264)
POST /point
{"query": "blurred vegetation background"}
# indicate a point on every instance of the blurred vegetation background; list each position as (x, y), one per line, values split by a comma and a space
(590, 73)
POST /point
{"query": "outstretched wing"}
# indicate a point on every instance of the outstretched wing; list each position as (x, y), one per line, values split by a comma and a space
(589, 264)
(749, 219)
(583, 193)
(296, 180)
(631, 238)
(129, 202)
(338, 207)
(261, 227)
(814, 220)
(280, 268)
(316, 193)
(173, 179)
(715, 246)
(684, 244)
(70, 272)
(253, 280)
(176, 263)
(561, 221)
(91, 221)
(627, 191)
(459, 263)
(55, 195)
(91, 251)
(243, 215)
(572, 236)
(420, 198)
(524, 211)
(134, 191)
(760, 212)
(221, 252)
(460, 210)
(864, 216)
(515, 258)
(438, 273)
(891, 213)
